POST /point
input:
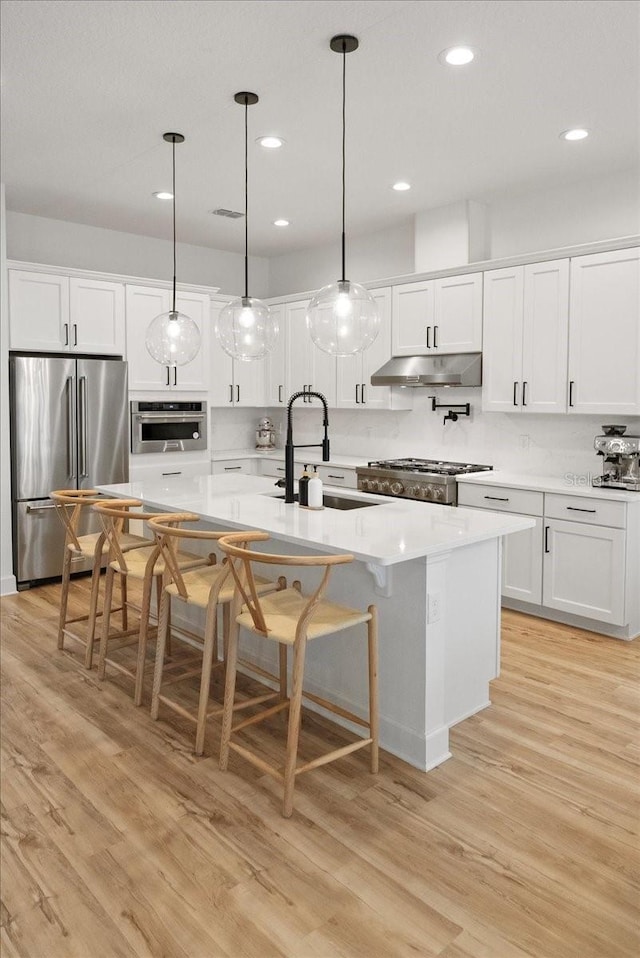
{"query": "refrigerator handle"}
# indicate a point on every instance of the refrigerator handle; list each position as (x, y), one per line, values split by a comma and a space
(71, 467)
(82, 425)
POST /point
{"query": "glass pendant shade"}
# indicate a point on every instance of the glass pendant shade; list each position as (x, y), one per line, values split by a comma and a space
(343, 318)
(172, 339)
(246, 329)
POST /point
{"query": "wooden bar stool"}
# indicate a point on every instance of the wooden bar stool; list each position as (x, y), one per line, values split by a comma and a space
(70, 507)
(147, 566)
(291, 618)
(205, 588)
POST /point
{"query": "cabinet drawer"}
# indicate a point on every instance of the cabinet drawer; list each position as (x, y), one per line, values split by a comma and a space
(163, 470)
(336, 476)
(272, 467)
(223, 466)
(501, 499)
(599, 512)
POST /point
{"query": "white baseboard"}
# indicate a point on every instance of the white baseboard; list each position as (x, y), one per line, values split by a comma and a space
(8, 585)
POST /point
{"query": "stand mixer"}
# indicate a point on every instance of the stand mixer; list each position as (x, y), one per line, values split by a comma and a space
(265, 434)
(621, 467)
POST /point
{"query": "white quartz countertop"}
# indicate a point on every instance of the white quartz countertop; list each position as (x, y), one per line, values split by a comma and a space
(570, 484)
(308, 455)
(391, 531)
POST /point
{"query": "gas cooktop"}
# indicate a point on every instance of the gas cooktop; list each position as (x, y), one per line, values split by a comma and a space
(431, 480)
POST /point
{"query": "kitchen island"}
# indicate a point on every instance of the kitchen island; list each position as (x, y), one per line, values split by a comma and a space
(433, 571)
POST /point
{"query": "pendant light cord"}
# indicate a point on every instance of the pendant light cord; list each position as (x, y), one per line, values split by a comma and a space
(344, 127)
(173, 307)
(246, 200)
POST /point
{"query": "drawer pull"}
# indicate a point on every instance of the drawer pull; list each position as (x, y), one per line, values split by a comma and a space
(232, 468)
(546, 538)
(329, 476)
(171, 473)
(498, 498)
(279, 468)
(577, 509)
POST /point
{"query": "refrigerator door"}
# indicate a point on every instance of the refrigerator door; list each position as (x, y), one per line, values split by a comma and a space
(39, 542)
(103, 422)
(43, 425)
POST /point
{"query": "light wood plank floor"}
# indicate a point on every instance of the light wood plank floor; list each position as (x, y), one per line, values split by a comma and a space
(118, 842)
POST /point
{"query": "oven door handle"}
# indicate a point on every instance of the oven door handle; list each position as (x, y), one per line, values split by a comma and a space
(163, 417)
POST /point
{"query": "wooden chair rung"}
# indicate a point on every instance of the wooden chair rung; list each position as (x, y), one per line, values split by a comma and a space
(180, 678)
(257, 761)
(331, 707)
(330, 756)
(261, 716)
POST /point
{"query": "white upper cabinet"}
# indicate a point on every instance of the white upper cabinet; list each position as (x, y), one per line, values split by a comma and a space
(354, 389)
(275, 364)
(53, 313)
(143, 304)
(525, 338)
(308, 367)
(438, 316)
(604, 334)
(233, 383)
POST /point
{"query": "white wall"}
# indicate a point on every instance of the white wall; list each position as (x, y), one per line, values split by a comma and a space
(582, 212)
(7, 579)
(370, 257)
(36, 239)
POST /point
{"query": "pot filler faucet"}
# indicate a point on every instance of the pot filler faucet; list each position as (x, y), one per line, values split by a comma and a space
(289, 446)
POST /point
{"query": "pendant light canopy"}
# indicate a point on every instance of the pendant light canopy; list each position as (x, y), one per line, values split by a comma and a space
(172, 338)
(343, 317)
(245, 327)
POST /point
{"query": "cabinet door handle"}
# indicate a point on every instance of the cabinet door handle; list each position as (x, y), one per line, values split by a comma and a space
(75, 334)
(364, 398)
(172, 473)
(571, 385)
(66, 334)
(428, 337)
(515, 394)
(435, 337)
(279, 393)
(577, 509)
(357, 392)
(231, 393)
(546, 538)
(524, 394)
(237, 393)
(232, 468)
(168, 383)
(498, 498)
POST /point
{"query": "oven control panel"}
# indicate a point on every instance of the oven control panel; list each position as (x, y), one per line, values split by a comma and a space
(409, 488)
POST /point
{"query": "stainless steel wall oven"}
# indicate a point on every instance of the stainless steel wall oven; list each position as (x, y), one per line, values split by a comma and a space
(168, 426)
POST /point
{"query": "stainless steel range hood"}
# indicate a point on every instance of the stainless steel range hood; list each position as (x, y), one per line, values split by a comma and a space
(457, 369)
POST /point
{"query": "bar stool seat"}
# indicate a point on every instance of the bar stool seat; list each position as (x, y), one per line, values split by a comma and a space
(206, 588)
(147, 565)
(291, 619)
(70, 505)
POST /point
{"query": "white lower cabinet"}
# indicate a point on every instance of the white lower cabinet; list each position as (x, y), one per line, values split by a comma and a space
(271, 467)
(584, 570)
(221, 467)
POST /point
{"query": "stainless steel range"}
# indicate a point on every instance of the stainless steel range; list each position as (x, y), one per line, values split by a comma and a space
(428, 480)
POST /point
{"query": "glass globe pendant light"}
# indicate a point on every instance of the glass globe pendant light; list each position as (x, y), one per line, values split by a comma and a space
(343, 317)
(172, 338)
(245, 327)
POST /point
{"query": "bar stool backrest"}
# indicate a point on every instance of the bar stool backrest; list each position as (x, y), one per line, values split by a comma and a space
(113, 515)
(235, 546)
(168, 534)
(69, 504)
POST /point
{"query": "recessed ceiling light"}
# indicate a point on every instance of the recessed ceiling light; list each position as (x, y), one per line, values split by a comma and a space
(163, 195)
(401, 185)
(281, 222)
(270, 142)
(577, 134)
(457, 56)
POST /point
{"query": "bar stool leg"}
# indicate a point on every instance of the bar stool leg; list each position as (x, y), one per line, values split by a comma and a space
(293, 733)
(372, 638)
(163, 628)
(282, 655)
(229, 692)
(142, 641)
(106, 615)
(124, 602)
(64, 596)
(210, 643)
(93, 605)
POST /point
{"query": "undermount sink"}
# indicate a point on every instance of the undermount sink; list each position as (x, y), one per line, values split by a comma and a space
(338, 502)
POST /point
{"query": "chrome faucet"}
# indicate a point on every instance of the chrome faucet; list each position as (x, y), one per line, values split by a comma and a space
(289, 446)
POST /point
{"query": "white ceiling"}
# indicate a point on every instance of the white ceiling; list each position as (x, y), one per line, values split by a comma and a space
(90, 86)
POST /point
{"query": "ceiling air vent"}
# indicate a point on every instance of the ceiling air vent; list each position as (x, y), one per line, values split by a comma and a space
(232, 214)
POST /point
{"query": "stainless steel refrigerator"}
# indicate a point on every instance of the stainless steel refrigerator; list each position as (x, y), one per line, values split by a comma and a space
(69, 430)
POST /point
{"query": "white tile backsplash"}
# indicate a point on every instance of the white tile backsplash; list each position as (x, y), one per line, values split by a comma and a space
(548, 445)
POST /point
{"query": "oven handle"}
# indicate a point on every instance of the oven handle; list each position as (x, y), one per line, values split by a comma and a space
(168, 417)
